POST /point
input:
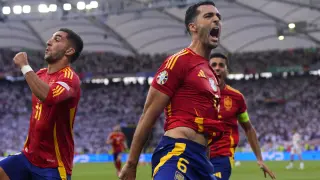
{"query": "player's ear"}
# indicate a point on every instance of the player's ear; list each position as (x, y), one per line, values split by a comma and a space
(192, 27)
(70, 51)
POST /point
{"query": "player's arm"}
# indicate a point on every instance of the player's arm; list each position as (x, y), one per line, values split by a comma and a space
(66, 86)
(55, 93)
(155, 103)
(38, 87)
(125, 144)
(109, 140)
(165, 83)
(251, 134)
(244, 120)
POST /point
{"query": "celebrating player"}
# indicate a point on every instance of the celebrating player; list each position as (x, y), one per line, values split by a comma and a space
(233, 109)
(118, 141)
(49, 149)
(186, 86)
(296, 149)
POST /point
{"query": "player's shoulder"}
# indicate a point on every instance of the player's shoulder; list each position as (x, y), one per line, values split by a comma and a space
(68, 73)
(42, 71)
(233, 91)
(179, 59)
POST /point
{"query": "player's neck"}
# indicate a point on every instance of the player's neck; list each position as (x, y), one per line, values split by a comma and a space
(200, 49)
(52, 68)
(222, 83)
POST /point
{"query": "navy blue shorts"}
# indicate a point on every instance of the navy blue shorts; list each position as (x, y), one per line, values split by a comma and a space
(18, 167)
(115, 156)
(181, 159)
(222, 167)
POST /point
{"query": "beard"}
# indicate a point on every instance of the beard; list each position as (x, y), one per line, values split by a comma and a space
(204, 35)
(52, 58)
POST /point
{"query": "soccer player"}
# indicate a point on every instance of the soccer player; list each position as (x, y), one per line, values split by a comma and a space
(296, 149)
(187, 88)
(49, 148)
(118, 141)
(233, 110)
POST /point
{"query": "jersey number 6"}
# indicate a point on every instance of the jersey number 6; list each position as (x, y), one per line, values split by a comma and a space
(182, 165)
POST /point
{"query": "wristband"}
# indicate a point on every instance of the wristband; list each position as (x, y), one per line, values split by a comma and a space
(25, 69)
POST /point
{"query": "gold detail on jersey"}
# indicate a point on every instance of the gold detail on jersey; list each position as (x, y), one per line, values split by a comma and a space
(199, 122)
(219, 116)
(173, 59)
(218, 174)
(228, 103)
(57, 91)
(201, 74)
(169, 110)
(231, 149)
(233, 90)
(72, 113)
(25, 143)
(61, 168)
(176, 58)
(38, 111)
(68, 73)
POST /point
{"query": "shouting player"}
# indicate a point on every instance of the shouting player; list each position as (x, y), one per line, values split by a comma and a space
(187, 87)
(233, 110)
(118, 141)
(296, 149)
(49, 149)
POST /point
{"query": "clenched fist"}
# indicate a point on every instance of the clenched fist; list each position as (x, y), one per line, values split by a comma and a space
(21, 59)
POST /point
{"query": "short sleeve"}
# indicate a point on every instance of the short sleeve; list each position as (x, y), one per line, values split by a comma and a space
(243, 115)
(170, 75)
(66, 86)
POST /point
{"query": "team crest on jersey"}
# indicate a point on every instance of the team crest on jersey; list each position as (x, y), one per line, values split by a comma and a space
(213, 85)
(162, 77)
(178, 176)
(228, 103)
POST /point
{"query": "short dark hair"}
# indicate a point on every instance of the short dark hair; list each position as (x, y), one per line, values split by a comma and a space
(220, 55)
(193, 12)
(76, 43)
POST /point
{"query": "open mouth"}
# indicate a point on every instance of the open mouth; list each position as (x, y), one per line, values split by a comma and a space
(214, 32)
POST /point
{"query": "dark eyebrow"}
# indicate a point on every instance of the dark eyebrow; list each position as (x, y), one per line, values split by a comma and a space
(212, 14)
(58, 35)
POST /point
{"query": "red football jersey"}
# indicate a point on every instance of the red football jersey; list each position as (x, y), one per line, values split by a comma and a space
(232, 105)
(50, 139)
(117, 138)
(193, 88)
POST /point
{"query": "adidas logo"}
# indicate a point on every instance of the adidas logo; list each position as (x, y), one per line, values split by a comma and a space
(201, 74)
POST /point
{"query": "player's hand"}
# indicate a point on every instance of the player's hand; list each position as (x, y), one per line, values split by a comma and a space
(21, 59)
(266, 170)
(128, 172)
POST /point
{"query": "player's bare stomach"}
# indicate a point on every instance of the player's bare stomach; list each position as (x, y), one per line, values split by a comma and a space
(187, 133)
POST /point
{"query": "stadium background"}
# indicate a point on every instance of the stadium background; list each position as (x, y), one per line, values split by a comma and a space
(272, 46)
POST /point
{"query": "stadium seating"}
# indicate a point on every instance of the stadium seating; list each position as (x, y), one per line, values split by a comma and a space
(276, 105)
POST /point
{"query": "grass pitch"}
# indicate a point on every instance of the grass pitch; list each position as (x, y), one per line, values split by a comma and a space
(246, 171)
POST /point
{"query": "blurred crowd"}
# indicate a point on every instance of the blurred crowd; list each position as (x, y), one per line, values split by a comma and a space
(276, 107)
(109, 63)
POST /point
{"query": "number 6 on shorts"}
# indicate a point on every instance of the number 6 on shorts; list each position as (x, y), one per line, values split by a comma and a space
(181, 165)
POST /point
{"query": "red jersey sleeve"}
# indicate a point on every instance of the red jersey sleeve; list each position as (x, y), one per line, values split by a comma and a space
(170, 75)
(242, 105)
(66, 86)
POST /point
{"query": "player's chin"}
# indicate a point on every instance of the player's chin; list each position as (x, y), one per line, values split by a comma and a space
(213, 45)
